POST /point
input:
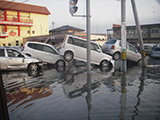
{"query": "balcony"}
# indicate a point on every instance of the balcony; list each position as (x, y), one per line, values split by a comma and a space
(3, 34)
(14, 21)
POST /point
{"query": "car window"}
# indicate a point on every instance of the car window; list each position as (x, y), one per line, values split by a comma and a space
(77, 42)
(2, 52)
(156, 49)
(14, 53)
(111, 41)
(35, 46)
(132, 48)
(148, 47)
(49, 49)
(94, 47)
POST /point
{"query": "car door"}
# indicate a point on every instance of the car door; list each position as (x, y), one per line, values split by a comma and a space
(132, 53)
(15, 59)
(79, 47)
(49, 55)
(95, 53)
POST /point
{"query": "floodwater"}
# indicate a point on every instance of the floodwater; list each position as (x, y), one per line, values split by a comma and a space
(73, 95)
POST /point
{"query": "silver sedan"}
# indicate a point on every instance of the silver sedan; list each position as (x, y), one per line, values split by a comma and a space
(12, 59)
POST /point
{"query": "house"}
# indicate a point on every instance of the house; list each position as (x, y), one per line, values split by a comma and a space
(19, 20)
(150, 33)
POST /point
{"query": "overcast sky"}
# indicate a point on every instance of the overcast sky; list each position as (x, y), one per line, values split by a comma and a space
(104, 13)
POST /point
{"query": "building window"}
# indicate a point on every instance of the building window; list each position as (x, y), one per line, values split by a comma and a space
(17, 43)
(155, 31)
(28, 31)
(9, 44)
(33, 32)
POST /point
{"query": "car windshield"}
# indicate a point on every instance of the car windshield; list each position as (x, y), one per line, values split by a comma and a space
(111, 41)
(156, 49)
(148, 47)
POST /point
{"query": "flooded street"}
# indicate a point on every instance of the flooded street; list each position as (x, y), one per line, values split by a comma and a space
(72, 95)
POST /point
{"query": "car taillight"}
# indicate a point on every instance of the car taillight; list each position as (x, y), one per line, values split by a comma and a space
(23, 48)
(113, 47)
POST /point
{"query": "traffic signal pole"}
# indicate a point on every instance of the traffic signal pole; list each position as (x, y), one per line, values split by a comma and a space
(88, 37)
(73, 9)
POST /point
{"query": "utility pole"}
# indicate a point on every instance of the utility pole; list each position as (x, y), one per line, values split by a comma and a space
(140, 39)
(123, 35)
(88, 37)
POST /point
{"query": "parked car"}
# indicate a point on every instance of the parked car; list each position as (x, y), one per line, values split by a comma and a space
(76, 48)
(17, 47)
(148, 49)
(12, 59)
(113, 47)
(46, 52)
(156, 52)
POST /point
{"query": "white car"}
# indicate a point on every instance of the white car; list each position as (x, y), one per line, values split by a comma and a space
(155, 52)
(46, 52)
(113, 47)
(76, 48)
(12, 59)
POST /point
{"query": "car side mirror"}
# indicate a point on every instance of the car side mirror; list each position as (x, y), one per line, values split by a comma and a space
(98, 50)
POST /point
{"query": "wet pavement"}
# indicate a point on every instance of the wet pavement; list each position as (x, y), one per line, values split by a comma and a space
(70, 94)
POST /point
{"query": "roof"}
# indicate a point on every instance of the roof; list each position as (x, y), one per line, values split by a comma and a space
(15, 6)
(66, 27)
(144, 25)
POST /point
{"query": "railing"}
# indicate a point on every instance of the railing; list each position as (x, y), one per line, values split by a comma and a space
(14, 19)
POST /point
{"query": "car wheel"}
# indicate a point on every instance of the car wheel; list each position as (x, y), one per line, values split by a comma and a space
(68, 56)
(33, 66)
(60, 63)
(106, 65)
(116, 56)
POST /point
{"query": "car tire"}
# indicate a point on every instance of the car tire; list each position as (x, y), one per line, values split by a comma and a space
(105, 65)
(68, 56)
(33, 66)
(60, 63)
(116, 56)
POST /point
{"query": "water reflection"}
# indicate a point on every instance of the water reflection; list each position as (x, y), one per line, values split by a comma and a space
(19, 87)
(88, 97)
(141, 88)
(123, 97)
(101, 95)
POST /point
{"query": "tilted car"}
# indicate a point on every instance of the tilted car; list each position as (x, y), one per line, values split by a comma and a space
(12, 59)
(113, 47)
(76, 48)
(46, 52)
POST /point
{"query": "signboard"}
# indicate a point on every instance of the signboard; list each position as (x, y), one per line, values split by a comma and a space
(15, 23)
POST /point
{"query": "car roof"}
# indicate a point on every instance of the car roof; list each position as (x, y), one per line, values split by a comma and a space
(39, 43)
(82, 39)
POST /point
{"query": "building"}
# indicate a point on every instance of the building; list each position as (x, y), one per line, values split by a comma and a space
(150, 33)
(57, 35)
(19, 20)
